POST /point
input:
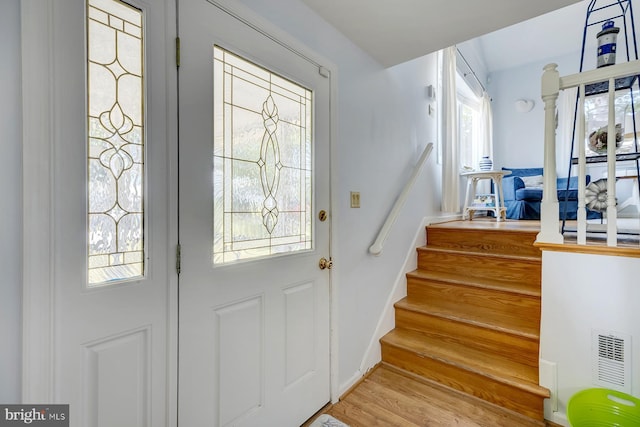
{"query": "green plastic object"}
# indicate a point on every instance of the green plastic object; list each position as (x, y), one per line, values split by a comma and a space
(601, 407)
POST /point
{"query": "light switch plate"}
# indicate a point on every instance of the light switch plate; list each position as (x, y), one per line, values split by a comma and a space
(355, 199)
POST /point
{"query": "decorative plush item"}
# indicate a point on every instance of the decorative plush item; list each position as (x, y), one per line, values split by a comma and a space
(595, 195)
(598, 139)
(535, 181)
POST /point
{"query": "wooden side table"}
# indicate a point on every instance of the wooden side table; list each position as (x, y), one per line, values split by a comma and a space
(490, 202)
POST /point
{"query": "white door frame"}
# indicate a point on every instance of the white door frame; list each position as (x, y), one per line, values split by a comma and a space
(38, 120)
(40, 102)
(37, 241)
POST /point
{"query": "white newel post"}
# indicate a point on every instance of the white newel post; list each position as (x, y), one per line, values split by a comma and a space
(549, 207)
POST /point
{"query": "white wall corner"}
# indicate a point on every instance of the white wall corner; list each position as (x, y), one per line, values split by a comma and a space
(348, 384)
(399, 290)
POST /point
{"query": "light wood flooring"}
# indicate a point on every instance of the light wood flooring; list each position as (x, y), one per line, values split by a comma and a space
(389, 397)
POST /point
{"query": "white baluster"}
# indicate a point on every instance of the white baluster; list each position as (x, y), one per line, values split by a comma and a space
(612, 209)
(549, 207)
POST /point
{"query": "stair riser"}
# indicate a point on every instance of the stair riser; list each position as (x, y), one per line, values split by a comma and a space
(473, 383)
(469, 265)
(516, 287)
(498, 242)
(510, 347)
(506, 309)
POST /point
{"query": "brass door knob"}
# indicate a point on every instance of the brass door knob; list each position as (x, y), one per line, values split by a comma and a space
(325, 263)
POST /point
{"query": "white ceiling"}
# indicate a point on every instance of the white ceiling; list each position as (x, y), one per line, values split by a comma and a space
(395, 31)
(547, 36)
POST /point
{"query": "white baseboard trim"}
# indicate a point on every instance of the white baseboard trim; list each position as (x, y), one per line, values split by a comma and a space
(560, 418)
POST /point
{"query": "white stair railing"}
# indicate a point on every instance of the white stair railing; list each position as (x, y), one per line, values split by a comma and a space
(378, 244)
(552, 84)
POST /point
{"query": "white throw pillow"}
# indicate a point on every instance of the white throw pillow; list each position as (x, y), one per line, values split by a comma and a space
(534, 181)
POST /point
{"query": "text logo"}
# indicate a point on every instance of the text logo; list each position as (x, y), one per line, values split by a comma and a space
(34, 415)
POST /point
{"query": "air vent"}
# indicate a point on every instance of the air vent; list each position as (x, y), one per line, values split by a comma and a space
(612, 360)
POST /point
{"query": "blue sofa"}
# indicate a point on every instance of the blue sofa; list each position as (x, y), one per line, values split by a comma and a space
(523, 193)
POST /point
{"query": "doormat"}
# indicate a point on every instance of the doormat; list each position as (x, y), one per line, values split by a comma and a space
(325, 420)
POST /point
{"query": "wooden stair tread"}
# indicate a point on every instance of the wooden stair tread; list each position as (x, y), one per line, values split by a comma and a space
(524, 271)
(508, 372)
(501, 239)
(486, 254)
(476, 281)
(531, 333)
(520, 226)
(501, 342)
(500, 309)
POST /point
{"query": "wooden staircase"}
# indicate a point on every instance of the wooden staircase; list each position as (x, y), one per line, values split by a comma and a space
(471, 318)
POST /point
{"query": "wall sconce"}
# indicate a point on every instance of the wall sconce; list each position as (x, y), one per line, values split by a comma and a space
(524, 105)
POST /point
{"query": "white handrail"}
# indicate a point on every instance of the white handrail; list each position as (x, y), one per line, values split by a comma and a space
(376, 248)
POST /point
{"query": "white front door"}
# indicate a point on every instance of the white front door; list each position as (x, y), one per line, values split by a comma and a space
(254, 176)
(109, 195)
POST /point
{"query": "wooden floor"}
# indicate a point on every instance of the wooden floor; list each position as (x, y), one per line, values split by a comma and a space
(596, 242)
(389, 397)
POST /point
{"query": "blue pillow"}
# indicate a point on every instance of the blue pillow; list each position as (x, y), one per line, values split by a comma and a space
(561, 183)
(523, 171)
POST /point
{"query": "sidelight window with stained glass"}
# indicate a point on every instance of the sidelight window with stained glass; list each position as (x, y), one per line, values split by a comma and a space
(115, 124)
(262, 161)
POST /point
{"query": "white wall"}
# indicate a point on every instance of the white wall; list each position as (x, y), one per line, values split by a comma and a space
(519, 137)
(582, 292)
(10, 203)
(382, 128)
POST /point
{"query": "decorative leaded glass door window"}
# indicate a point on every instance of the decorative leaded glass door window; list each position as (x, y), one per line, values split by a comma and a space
(116, 142)
(262, 171)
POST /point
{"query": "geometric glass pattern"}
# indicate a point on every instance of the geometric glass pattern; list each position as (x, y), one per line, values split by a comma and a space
(115, 168)
(262, 162)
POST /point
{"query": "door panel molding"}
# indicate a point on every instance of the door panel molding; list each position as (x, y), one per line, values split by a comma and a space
(239, 335)
(126, 360)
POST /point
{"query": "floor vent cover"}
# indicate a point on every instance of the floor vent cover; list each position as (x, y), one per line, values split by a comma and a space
(611, 360)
